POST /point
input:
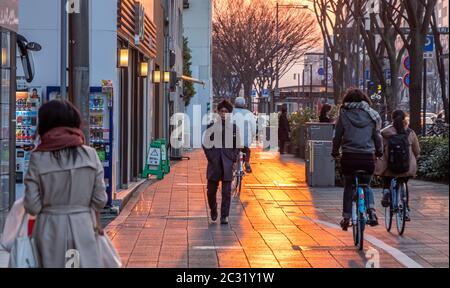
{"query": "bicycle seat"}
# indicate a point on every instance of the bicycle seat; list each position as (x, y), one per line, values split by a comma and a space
(360, 173)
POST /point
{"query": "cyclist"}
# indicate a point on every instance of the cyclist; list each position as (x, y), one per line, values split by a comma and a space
(405, 164)
(358, 135)
(246, 121)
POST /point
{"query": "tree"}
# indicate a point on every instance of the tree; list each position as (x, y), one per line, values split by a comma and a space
(417, 18)
(386, 48)
(245, 35)
(440, 65)
(188, 87)
(334, 21)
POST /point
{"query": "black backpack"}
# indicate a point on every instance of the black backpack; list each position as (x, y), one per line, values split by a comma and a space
(398, 155)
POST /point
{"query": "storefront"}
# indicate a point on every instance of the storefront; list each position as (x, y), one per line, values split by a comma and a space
(136, 51)
(8, 33)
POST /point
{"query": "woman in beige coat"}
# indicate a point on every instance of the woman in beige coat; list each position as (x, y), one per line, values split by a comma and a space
(63, 184)
(400, 125)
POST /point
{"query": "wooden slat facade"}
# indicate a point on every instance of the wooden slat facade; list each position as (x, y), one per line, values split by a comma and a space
(126, 27)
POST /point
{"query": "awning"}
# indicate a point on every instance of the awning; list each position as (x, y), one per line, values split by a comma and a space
(190, 79)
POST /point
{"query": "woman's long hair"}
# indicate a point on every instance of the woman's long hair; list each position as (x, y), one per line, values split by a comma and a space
(399, 118)
(59, 113)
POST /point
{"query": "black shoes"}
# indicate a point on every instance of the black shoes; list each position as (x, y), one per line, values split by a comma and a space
(345, 223)
(407, 217)
(214, 214)
(248, 168)
(224, 220)
(386, 201)
(373, 219)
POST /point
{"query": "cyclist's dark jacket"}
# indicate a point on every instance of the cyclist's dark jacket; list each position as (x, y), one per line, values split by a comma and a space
(221, 158)
(356, 133)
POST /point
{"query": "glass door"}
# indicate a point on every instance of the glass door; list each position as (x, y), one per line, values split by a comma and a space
(7, 128)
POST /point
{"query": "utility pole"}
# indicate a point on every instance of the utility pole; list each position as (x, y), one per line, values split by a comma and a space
(311, 86)
(63, 76)
(79, 62)
(424, 95)
(277, 84)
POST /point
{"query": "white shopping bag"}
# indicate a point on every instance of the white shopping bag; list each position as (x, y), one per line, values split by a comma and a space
(23, 254)
(13, 225)
(108, 254)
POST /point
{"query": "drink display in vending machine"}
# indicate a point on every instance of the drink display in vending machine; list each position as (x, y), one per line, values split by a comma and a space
(100, 129)
(27, 106)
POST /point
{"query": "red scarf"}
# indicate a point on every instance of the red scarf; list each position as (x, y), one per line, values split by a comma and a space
(61, 137)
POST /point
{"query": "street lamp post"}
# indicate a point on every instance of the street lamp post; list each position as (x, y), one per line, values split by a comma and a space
(277, 63)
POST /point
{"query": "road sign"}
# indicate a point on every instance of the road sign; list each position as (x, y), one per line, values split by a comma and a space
(387, 73)
(407, 63)
(429, 44)
(321, 71)
(277, 92)
(428, 55)
(406, 80)
(367, 74)
(253, 94)
(265, 93)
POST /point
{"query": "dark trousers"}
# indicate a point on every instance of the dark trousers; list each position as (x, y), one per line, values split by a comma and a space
(247, 152)
(226, 196)
(350, 163)
(349, 189)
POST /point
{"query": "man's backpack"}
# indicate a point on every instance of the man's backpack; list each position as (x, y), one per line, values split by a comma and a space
(398, 155)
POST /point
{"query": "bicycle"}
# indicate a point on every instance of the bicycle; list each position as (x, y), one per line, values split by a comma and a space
(359, 211)
(399, 195)
(238, 174)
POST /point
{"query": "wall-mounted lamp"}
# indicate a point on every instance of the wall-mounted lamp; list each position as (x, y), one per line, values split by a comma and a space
(166, 77)
(156, 77)
(123, 57)
(143, 69)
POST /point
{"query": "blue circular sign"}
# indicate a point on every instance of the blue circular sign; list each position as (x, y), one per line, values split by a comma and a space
(321, 71)
(406, 80)
(407, 63)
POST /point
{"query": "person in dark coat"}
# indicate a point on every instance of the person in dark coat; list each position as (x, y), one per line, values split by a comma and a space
(324, 114)
(283, 129)
(221, 146)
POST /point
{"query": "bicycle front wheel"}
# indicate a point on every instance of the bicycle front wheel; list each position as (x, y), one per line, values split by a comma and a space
(389, 214)
(401, 208)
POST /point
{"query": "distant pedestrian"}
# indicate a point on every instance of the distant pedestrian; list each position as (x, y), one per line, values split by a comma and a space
(406, 166)
(221, 146)
(283, 129)
(63, 184)
(358, 134)
(324, 116)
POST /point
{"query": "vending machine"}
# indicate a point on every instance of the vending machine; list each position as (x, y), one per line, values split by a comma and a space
(27, 106)
(101, 130)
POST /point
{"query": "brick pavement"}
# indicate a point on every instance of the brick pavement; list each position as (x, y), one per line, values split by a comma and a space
(272, 223)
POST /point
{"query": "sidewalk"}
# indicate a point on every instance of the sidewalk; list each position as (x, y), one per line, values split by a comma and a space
(276, 222)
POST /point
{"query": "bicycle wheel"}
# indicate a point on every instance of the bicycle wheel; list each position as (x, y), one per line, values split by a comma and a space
(401, 208)
(389, 214)
(361, 226)
(355, 223)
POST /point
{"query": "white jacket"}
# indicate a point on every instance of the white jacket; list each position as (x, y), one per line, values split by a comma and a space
(246, 122)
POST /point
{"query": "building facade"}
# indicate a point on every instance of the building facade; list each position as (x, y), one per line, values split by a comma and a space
(126, 51)
(198, 31)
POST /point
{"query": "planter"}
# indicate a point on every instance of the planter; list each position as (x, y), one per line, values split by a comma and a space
(302, 142)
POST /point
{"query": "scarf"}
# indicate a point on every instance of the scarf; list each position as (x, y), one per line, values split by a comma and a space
(59, 138)
(365, 106)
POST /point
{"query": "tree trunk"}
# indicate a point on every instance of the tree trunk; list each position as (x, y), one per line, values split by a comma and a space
(416, 77)
(393, 92)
